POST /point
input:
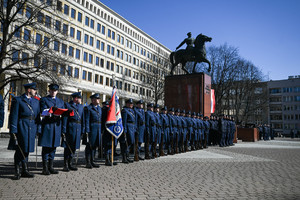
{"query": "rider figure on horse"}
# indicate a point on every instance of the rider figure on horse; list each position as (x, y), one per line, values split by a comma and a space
(189, 41)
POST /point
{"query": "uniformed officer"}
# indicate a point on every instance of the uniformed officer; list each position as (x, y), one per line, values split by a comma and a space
(190, 129)
(150, 131)
(165, 128)
(1, 111)
(50, 137)
(158, 129)
(206, 131)
(129, 125)
(140, 123)
(183, 146)
(23, 126)
(195, 132)
(173, 131)
(74, 127)
(222, 130)
(93, 130)
(179, 130)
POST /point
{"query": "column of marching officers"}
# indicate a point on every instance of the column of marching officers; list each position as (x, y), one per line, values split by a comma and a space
(163, 131)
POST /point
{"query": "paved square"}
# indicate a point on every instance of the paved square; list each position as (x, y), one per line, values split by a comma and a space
(261, 170)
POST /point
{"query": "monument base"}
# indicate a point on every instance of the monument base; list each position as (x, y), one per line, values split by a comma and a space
(247, 134)
(190, 92)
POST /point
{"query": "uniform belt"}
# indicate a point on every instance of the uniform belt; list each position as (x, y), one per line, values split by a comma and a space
(28, 117)
(130, 122)
(167, 126)
(75, 121)
(96, 122)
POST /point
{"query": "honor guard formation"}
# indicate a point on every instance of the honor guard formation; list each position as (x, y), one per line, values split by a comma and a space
(55, 123)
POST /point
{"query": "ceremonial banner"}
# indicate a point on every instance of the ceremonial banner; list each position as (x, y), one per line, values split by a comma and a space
(213, 101)
(57, 112)
(114, 120)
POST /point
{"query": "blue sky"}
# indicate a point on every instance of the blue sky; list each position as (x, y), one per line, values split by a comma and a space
(266, 32)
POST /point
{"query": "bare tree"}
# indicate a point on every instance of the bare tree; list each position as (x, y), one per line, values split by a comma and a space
(235, 81)
(25, 55)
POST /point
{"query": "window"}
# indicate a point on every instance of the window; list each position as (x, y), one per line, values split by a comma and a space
(66, 9)
(96, 78)
(70, 71)
(48, 22)
(102, 46)
(85, 55)
(101, 80)
(77, 54)
(71, 51)
(36, 61)
(62, 70)
(56, 46)
(78, 35)
(59, 6)
(54, 67)
(18, 32)
(103, 30)
(15, 55)
(113, 35)
(109, 33)
(113, 51)
(108, 48)
(112, 66)
(84, 75)
(86, 39)
(91, 58)
(27, 34)
(28, 13)
(57, 25)
(107, 64)
(49, 2)
(73, 13)
(97, 61)
(79, 17)
(76, 73)
(38, 39)
(92, 24)
(89, 76)
(40, 17)
(98, 27)
(118, 38)
(107, 81)
(63, 48)
(98, 44)
(87, 21)
(65, 29)
(91, 41)
(25, 58)
(72, 32)
(102, 62)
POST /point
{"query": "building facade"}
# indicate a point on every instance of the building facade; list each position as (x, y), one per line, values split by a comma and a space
(105, 50)
(284, 105)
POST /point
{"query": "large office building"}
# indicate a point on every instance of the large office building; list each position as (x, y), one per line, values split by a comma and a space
(105, 50)
(284, 105)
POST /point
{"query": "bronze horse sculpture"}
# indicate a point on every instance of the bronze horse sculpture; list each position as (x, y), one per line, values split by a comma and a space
(197, 55)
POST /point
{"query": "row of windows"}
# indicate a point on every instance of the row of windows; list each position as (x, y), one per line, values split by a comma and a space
(284, 90)
(111, 34)
(291, 117)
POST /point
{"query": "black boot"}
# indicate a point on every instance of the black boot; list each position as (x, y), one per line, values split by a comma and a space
(17, 172)
(45, 168)
(128, 159)
(50, 167)
(92, 161)
(107, 160)
(88, 162)
(25, 172)
(124, 158)
(71, 166)
(66, 167)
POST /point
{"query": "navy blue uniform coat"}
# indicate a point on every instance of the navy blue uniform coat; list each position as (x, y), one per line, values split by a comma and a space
(93, 124)
(20, 123)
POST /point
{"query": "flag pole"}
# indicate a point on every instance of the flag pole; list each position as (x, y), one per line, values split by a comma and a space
(112, 150)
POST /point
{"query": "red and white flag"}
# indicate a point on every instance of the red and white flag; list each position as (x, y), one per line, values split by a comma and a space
(213, 101)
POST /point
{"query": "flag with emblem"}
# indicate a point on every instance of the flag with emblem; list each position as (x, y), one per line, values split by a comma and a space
(213, 101)
(114, 120)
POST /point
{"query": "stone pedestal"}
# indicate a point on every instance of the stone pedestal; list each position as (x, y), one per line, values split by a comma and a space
(189, 92)
(247, 134)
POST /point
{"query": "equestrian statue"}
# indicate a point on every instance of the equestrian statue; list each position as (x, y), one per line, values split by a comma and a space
(195, 52)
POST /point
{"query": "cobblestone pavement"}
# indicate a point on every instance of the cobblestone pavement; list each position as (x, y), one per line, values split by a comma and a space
(260, 170)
